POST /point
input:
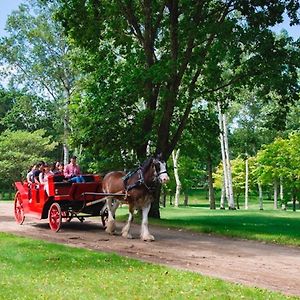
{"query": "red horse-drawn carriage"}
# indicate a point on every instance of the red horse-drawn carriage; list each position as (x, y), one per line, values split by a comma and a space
(60, 200)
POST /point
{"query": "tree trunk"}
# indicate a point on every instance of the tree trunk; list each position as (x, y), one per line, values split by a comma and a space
(211, 192)
(283, 206)
(225, 157)
(228, 166)
(260, 197)
(175, 155)
(225, 177)
(294, 198)
(66, 130)
(246, 181)
(66, 154)
(222, 201)
(238, 200)
(154, 210)
(275, 194)
(164, 197)
(186, 199)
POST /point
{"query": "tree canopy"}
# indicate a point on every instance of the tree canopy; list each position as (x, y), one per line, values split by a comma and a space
(150, 62)
(18, 151)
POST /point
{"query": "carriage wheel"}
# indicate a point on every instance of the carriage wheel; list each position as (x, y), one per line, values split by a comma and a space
(104, 217)
(54, 217)
(19, 210)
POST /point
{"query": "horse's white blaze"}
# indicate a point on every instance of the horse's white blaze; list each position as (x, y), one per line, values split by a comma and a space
(163, 177)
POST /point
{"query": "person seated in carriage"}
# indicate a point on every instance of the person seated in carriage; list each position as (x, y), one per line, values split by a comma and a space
(58, 168)
(30, 176)
(72, 171)
(36, 173)
(43, 176)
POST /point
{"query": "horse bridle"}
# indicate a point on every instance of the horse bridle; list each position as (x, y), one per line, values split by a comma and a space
(161, 172)
(141, 180)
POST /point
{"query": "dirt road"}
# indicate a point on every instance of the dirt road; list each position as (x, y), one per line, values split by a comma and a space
(251, 263)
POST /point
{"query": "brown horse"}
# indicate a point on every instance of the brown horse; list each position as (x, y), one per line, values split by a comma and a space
(139, 187)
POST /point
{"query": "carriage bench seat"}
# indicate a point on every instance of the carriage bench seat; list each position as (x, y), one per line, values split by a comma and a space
(77, 190)
(63, 190)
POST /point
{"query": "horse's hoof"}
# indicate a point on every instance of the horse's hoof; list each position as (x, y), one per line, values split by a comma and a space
(111, 227)
(127, 236)
(148, 238)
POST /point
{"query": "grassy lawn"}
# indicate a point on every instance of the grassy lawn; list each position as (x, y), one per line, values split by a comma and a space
(31, 269)
(276, 226)
(271, 226)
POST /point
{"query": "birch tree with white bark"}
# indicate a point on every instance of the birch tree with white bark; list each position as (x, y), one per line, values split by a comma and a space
(175, 157)
(225, 157)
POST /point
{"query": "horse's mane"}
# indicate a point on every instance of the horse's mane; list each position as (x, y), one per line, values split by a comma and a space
(145, 165)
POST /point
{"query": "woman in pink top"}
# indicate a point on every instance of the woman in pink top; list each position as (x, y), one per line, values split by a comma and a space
(72, 171)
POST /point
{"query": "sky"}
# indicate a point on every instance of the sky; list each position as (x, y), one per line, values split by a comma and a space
(7, 6)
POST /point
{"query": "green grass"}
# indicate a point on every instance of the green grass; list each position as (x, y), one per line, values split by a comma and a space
(269, 225)
(31, 269)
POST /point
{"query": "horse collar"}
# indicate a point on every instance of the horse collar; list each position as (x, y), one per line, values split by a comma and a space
(139, 182)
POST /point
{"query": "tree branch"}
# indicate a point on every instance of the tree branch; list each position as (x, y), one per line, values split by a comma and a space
(159, 17)
(40, 81)
(132, 20)
(186, 113)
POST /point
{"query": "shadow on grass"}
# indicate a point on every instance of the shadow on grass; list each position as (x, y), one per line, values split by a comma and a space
(266, 227)
(202, 205)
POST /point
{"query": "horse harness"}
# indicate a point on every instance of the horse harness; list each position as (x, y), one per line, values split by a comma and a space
(140, 181)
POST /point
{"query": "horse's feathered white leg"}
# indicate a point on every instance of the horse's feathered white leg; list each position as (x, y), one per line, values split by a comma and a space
(125, 231)
(145, 234)
(111, 224)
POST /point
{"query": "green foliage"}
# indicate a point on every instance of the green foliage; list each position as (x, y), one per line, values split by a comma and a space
(5, 105)
(38, 60)
(280, 159)
(18, 151)
(22, 111)
(148, 64)
(238, 170)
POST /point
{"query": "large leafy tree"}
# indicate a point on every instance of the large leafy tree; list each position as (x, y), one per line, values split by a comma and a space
(150, 61)
(278, 163)
(37, 57)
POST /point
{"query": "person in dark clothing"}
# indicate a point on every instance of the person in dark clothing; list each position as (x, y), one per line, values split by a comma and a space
(36, 173)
